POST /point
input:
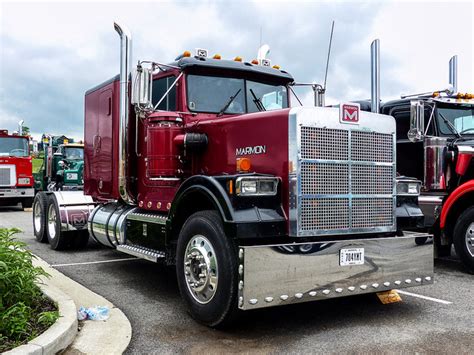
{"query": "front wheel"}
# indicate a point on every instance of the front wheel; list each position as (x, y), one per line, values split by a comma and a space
(464, 238)
(206, 267)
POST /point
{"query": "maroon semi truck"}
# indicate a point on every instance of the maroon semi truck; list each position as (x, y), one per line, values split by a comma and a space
(202, 164)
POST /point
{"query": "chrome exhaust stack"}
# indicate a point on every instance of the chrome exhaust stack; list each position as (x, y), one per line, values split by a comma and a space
(453, 73)
(375, 75)
(125, 57)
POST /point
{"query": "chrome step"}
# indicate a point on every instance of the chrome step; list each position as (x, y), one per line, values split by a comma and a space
(142, 252)
(147, 217)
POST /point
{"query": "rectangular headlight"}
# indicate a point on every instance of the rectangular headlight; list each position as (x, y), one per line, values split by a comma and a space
(71, 176)
(256, 186)
(24, 181)
(411, 188)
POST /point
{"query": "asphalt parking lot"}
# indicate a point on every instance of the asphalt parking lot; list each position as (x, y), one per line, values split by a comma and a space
(436, 318)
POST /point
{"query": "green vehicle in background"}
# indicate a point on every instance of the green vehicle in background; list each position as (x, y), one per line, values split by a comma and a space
(62, 166)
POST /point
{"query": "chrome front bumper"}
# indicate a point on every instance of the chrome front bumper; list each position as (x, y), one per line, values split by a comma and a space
(17, 192)
(293, 273)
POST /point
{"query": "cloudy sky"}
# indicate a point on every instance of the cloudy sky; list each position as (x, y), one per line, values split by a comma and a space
(52, 52)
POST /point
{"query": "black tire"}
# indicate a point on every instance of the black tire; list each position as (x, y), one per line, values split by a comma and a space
(221, 308)
(56, 239)
(420, 240)
(463, 238)
(80, 239)
(27, 203)
(40, 204)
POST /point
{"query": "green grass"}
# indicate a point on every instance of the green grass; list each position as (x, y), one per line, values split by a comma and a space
(37, 164)
(24, 311)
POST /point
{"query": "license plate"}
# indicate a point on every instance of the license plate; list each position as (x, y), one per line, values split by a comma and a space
(353, 256)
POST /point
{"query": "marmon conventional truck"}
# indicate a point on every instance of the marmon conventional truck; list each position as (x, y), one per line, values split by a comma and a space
(205, 166)
(16, 178)
(435, 144)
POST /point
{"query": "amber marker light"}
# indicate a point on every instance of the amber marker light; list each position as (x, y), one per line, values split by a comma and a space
(238, 59)
(187, 54)
(230, 187)
(243, 164)
(217, 56)
(254, 61)
(276, 67)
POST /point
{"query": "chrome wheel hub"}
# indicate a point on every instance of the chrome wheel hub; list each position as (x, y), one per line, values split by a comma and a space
(200, 269)
(470, 239)
(52, 221)
(37, 216)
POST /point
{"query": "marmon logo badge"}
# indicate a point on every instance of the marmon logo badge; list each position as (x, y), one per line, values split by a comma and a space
(258, 149)
(349, 113)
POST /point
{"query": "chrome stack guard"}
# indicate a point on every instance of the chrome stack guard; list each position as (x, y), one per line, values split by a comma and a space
(273, 275)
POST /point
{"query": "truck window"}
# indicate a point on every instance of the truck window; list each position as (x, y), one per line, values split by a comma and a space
(74, 153)
(160, 86)
(212, 93)
(462, 118)
(13, 147)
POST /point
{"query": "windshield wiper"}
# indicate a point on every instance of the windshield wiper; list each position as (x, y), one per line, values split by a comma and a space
(257, 102)
(221, 112)
(450, 125)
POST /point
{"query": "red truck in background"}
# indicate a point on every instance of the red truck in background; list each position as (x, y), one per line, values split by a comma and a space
(203, 164)
(16, 170)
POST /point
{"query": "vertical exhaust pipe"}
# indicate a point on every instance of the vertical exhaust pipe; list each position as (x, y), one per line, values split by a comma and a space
(453, 73)
(375, 75)
(125, 57)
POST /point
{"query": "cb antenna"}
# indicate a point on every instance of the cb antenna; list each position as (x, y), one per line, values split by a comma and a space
(329, 54)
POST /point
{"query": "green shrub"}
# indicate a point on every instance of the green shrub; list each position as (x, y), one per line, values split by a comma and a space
(24, 311)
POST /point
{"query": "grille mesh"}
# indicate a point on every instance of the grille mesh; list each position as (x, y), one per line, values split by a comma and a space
(372, 212)
(325, 213)
(5, 177)
(322, 143)
(357, 166)
(371, 146)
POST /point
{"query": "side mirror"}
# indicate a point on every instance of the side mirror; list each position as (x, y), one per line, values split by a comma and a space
(141, 87)
(417, 121)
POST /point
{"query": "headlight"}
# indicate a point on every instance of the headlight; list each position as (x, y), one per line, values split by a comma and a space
(409, 187)
(71, 176)
(256, 186)
(24, 181)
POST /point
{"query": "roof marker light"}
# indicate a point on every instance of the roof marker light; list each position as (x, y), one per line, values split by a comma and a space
(238, 59)
(254, 61)
(186, 54)
(276, 67)
(217, 56)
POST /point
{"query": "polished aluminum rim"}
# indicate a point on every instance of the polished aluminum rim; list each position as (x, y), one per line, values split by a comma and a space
(52, 221)
(37, 216)
(200, 269)
(470, 239)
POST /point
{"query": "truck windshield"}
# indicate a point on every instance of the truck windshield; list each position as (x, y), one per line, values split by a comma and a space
(212, 93)
(461, 116)
(74, 153)
(13, 147)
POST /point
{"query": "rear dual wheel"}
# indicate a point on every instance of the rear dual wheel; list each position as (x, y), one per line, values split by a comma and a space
(40, 204)
(206, 267)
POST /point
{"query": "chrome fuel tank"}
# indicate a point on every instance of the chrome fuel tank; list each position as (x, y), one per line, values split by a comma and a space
(107, 223)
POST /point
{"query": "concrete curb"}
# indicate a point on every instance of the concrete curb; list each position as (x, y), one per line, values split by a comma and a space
(111, 336)
(60, 334)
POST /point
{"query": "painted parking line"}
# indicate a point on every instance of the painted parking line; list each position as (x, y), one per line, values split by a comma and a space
(424, 297)
(95, 262)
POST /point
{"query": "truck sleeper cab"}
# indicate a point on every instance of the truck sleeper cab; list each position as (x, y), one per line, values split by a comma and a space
(256, 203)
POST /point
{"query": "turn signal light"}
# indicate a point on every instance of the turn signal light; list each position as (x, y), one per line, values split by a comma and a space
(216, 56)
(187, 54)
(243, 164)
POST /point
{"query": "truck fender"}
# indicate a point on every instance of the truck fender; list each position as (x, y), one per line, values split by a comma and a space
(74, 209)
(209, 188)
(459, 192)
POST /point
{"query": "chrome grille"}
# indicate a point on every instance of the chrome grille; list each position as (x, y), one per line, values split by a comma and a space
(346, 181)
(5, 174)
(325, 213)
